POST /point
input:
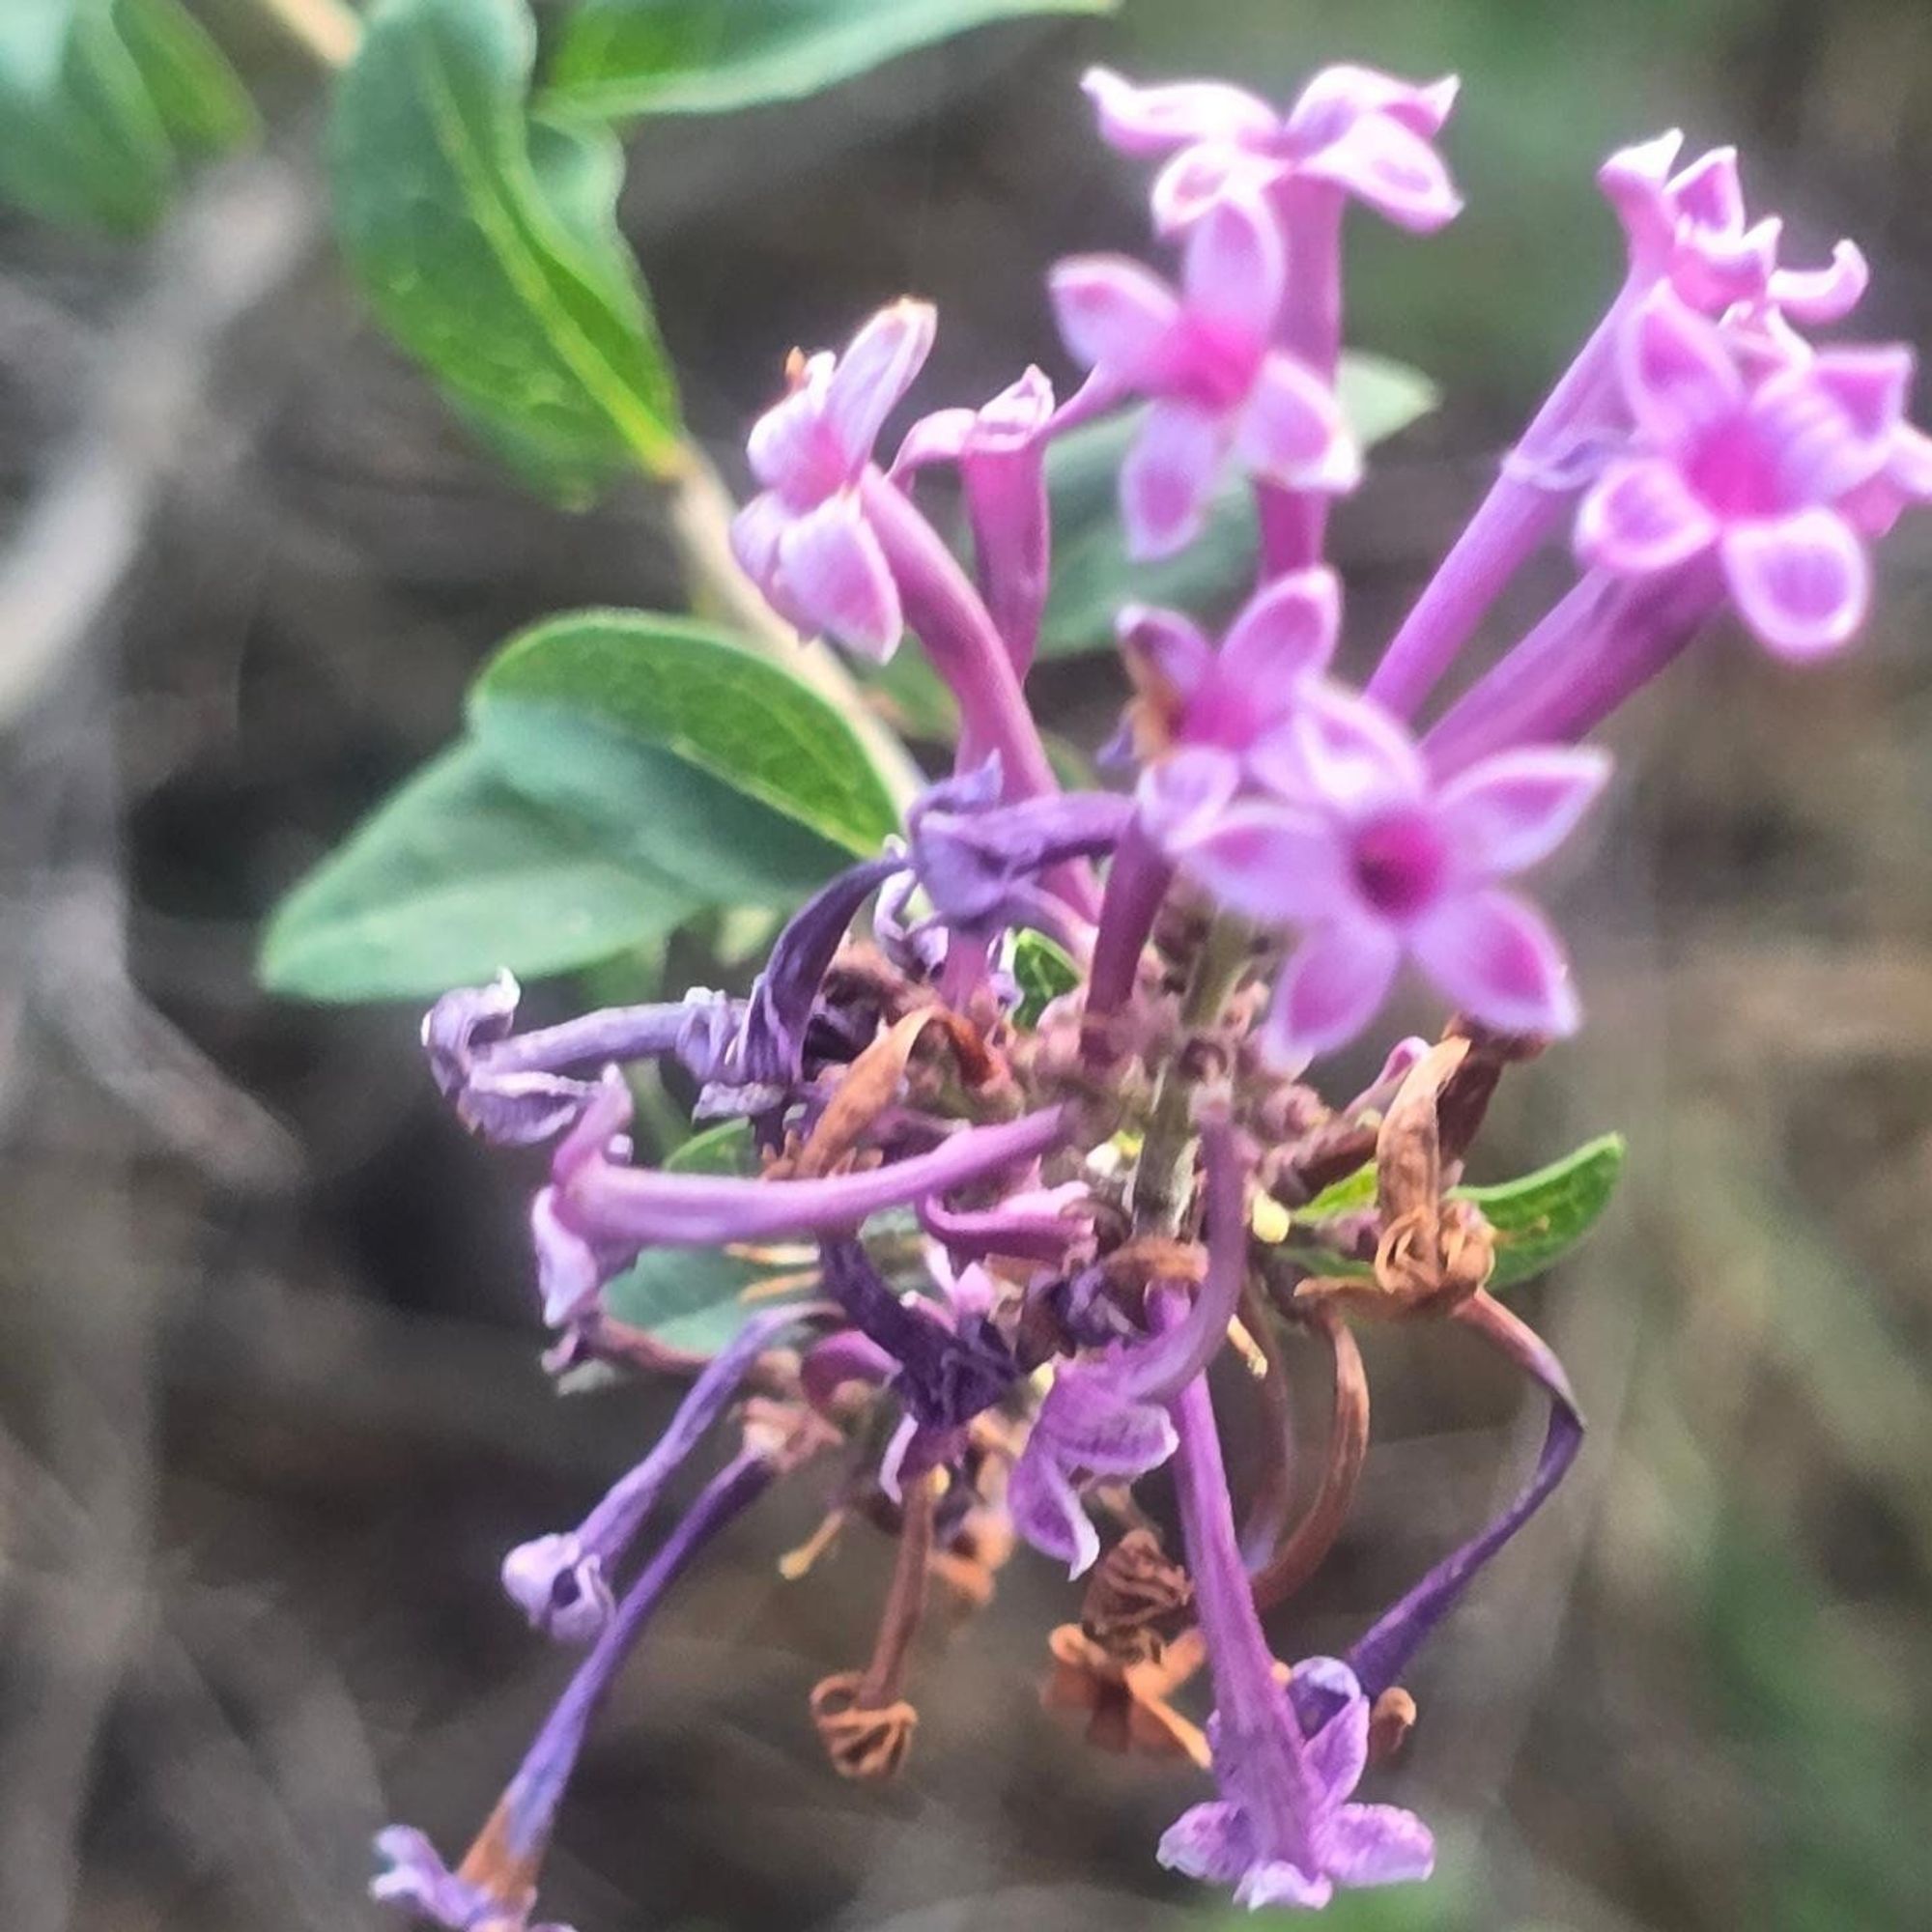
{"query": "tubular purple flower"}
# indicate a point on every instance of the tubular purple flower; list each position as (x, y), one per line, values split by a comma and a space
(1048, 1224)
(562, 1583)
(1108, 1417)
(1000, 450)
(981, 863)
(1375, 859)
(1204, 359)
(805, 542)
(510, 1089)
(1383, 1652)
(1687, 231)
(495, 1888)
(1136, 887)
(1283, 1830)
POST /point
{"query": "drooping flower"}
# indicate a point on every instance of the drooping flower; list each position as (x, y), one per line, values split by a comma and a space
(1285, 1830)
(1374, 859)
(1204, 359)
(1000, 452)
(805, 541)
(1765, 470)
(1364, 133)
(1106, 1416)
(562, 1583)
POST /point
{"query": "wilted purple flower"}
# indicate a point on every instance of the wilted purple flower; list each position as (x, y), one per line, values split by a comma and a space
(1765, 473)
(982, 862)
(1205, 359)
(1376, 860)
(805, 542)
(495, 1888)
(1047, 1225)
(1352, 129)
(563, 1581)
(1107, 1416)
(1284, 1831)
(999, 449)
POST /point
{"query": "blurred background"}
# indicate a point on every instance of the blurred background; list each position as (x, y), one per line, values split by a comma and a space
(269, 1400)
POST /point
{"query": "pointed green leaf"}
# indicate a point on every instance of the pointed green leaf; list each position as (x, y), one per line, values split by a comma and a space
(488, 245)
(1044, 971)
(625, 57)
(716, 725)
(1092, 576)
(1540, 1217)
(455, 876)
(95, 98)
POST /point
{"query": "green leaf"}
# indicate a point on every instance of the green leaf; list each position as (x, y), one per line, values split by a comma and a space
(488, 245)
(707, 726)
(625, 57)
(1044, 971)
(1539, 1217)
(725, 1148)
(455, 876)
(97, 101)
(1092, 576)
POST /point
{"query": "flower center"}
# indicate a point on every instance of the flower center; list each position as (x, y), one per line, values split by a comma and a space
(1398, 862)
(1734, 471)
(1220, 360)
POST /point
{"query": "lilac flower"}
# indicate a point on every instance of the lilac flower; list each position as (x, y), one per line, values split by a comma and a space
(1284, 1830)
(1000, 450)
(1201, 711)
(562, 1581)
(982, 862)
(599, 1213)
(1763, 475)
(1107, 1418)
(1361, 847)
(805, 542)
(1352, 129)
(1689, 227)
(495, 1888)
(1205, 359)
(510, 1089)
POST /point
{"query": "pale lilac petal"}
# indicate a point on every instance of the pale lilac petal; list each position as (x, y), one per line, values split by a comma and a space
(1174, 646)
(1345, 91)
(1640, 518)
(1112, 314)
(1678, 375)
(1634, 181)
(790, 449)
(1343, 750)
(1818, 296)
(939, 438)
(1870, 384)
(1708, 192)
(1278, 1882)
(1392, 168)
(1714, 267)
(1190, 184)
(1332, 985)
(756, 534)
(837, 577)
(1509, 811)
(1275, 862)
(1286, 631)
(1168, 477)
(1234, 273)
(1045, 1509)
(1293, 432)
(1186, 794)
(1497, 960)
(1150, 120)
(1376, 1844)
(872, 376)
(1801, 583)
(1091, 1425)
(1208, 1841)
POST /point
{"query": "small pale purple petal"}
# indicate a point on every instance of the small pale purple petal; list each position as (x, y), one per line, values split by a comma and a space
(1114, 315)
(1640, 518)
(1046, 1510)
(1234, 273)
(1392, 168)
(1150, 120)
(1496, 958)
(1172, 645)
(1507, 812)
(1168, 476)
(837, 575)
(1292, 431)
(1376, 1844)
(1801, 583)
(1185, 795)
(1678, 375)
(1278, 1882)
(1341, 750)
(1208, 1841)
(872, 376)
(1332, 987)
(1814, 297)
(1275, 862)
(1285, 632)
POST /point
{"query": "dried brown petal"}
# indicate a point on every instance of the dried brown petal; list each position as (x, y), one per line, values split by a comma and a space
(1136, 1599)
(1391, 1722)
(866, 1744)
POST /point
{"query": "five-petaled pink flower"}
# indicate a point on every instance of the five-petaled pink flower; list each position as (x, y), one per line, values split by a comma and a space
(1782, 471)
(1356, 844)
(805, 541)
(1353, 130)
(1691, 228)
(1205, 359)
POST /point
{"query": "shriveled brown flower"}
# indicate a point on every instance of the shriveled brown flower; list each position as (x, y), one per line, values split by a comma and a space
(1126, 1704)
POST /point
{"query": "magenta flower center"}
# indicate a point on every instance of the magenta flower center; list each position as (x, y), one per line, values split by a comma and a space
(1734, 470)
(1398, 862)
(1218, 360)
